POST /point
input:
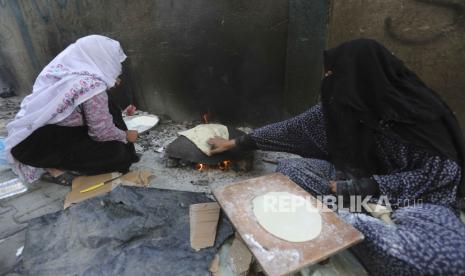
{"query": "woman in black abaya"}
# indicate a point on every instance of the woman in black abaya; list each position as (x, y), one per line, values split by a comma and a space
(379, 131)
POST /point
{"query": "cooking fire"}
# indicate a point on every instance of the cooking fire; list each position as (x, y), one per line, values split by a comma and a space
(223, 166)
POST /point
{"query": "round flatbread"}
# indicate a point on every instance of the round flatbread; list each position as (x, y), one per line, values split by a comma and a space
(287, 216)
(200, 135)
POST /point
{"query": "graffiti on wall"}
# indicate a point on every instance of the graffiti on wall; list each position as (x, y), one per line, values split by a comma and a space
(458, 21)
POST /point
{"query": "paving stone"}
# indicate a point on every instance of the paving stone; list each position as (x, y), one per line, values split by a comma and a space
(8, 249)
(42, 198)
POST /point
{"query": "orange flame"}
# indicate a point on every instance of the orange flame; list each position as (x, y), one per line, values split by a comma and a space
(200, 167)
(224, 165)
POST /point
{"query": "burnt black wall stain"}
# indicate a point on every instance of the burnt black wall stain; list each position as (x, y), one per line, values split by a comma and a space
(185, 58)
(230, 60)
(306, 42)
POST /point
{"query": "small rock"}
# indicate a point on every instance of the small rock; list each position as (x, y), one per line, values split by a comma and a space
(200, 182)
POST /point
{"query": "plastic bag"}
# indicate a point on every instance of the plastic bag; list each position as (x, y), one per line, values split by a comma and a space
(3, 163)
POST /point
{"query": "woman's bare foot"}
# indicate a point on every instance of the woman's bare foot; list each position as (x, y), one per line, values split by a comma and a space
(58, 177)
(54, 172)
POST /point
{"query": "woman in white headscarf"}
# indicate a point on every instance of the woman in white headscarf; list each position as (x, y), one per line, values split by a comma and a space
(67, 124)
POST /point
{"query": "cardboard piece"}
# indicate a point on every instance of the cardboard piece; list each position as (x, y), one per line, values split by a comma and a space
(214, 266)
(277, 256)
(110, 181)
(203, 222)
(240, 257)
(136, 178)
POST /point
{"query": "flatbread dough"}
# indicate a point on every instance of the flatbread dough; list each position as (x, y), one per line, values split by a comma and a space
(287, 216)
(200, 135)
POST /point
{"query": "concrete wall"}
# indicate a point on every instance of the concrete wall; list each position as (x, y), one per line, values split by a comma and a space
(241, 60)
(429, 35)
(186, 57)
(305, 45)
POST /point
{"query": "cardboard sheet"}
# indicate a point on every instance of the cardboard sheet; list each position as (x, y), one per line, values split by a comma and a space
(240, 257)
(109, 180)
(204, 219)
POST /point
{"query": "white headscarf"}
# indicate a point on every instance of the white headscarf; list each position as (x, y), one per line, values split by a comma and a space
(84, 69)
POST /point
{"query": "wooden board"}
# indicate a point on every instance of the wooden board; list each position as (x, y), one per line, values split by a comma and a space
(277, 256)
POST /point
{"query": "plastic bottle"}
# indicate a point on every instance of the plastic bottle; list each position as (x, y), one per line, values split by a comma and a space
(2, 152)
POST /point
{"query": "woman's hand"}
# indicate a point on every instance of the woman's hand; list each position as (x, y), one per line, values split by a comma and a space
(130, 110)
(131, 135)
(355, 187)
(220, 145)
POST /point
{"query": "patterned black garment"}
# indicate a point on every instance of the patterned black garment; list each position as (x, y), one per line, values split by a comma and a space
(367, 92)
(426, 239)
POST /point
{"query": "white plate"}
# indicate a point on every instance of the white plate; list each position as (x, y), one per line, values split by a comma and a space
(141, 123)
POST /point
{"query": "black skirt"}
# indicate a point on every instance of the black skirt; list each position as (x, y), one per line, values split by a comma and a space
(71, 149)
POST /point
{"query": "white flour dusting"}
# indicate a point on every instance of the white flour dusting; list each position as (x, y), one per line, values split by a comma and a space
(253, 242)
(286, 257)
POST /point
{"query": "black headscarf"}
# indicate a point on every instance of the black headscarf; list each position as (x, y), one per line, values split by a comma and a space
(370, 91)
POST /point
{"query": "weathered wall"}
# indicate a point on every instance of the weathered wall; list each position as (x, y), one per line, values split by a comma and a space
(186, 57)
(429, 35)
(305, 45)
